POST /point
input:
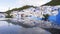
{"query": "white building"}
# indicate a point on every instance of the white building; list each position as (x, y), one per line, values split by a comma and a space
(3, 15)
(36, 12)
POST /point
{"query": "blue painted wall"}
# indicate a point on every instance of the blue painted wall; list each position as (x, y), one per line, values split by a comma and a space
(58, 17)
(52, 19)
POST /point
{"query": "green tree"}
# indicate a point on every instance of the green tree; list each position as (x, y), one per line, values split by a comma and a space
(46, 17)
(53, 3)
(8, 14)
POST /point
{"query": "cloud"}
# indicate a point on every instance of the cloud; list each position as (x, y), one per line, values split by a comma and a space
(3, 9)
(6, 4)
(34, 2)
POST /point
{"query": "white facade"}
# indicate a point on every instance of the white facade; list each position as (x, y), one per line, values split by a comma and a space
(36, 12)
(2, 15)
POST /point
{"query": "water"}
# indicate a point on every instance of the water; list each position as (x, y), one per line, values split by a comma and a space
(13, 28)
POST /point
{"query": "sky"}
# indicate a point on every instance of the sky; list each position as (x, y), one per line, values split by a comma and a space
(10, 4)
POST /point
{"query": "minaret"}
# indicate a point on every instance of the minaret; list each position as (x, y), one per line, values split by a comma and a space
(58, 17)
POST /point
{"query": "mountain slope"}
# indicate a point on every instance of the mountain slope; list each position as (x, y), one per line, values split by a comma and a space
(53, 3)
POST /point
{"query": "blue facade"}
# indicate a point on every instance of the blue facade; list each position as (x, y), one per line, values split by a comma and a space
(52, 19)
(58, 17)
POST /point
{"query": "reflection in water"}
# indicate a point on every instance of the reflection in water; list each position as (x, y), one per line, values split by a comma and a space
(20, 24)
(12, 28)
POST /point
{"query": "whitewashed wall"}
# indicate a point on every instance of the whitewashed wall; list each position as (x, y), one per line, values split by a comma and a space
(37, 12)
(2, 15)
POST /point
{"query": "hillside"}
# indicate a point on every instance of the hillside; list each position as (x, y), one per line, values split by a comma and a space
(53, 3)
